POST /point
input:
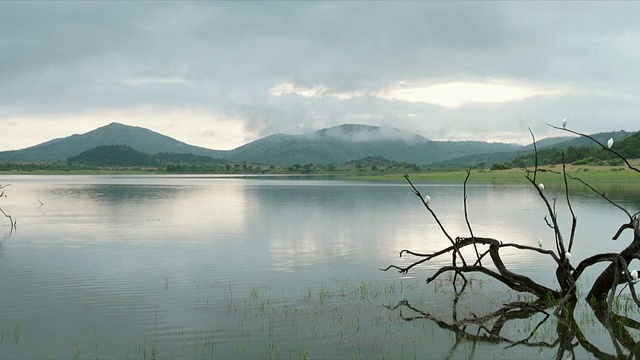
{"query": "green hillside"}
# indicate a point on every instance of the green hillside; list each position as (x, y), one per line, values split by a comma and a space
(187, 159)
(140, 139)
(332, 146)
(545, 146)
(113, 155)
(628, 146)
(345, 143)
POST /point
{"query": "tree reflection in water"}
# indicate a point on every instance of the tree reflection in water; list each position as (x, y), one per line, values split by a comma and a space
(492, 328)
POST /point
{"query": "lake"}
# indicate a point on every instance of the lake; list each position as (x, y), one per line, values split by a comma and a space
(182, 267)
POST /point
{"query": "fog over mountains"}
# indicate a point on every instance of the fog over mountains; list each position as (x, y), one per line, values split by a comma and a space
(336, 145)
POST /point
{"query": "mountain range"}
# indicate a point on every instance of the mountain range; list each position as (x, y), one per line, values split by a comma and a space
(335, 145)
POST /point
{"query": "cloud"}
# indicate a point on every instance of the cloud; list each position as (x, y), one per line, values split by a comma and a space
(473, 68)
(307, 91)
(455, 94)
(363, 133)
(139, 81)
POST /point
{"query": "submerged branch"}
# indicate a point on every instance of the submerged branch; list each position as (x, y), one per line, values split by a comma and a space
(11, 220)
(512, 280)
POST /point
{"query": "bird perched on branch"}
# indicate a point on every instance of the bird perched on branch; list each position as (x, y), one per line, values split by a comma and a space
(564, 122)
(610, 143)
(541, 186)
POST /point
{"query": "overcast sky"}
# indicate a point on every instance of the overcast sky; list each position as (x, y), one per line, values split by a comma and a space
(221, 74)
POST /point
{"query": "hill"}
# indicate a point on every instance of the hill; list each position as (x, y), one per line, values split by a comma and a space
(331, 146)
(138, 138)
(126, 156)
(626, 145)
(370, 161)
(559, 144)
(113, 155)
(344, 143)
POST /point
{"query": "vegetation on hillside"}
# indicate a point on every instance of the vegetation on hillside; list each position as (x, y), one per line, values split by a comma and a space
(628, 147)
(113, 155)
(504, 160)
(335, 145)
(323, 148)
(327, 145)
(141, 139)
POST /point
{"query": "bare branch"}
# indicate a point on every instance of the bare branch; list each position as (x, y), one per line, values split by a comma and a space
(574, 220)
(535, 152)
(601, 194)
(11, 220)
(433, 214)
(466, 215)
(601, 296)
(606, 148)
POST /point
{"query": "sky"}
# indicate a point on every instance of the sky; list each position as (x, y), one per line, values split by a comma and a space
(222, 74)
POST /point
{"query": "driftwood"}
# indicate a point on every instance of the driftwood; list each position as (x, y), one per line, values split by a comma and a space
(12, 221)
(559, 303)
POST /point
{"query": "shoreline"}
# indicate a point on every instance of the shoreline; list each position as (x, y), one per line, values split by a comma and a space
(547, 174)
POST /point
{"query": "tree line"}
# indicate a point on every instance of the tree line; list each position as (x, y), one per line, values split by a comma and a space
(578, 155)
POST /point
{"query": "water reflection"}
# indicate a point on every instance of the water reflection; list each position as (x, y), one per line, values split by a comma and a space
(2, 244)
(154, 211)
(527, 328)
(134, 256)
(297, 223)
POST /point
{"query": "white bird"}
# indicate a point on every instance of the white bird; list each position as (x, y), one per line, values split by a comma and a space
(427, 198)
(567, 255)
(634, 275)
(610, 143)
(541, 186)
(564, 122)
(540, 242)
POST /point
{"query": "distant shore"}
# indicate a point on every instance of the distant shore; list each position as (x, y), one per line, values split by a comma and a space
(547, 174)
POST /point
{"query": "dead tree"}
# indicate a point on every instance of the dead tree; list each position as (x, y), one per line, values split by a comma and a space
(487, 260)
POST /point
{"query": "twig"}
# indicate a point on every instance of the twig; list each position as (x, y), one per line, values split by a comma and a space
(466, 215)
(601, 194)
(11, 220)
(535, 152)
(433, 214)
(574, 220)
(606, 148)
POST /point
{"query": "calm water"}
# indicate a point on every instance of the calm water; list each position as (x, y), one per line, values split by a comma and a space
(214, 267)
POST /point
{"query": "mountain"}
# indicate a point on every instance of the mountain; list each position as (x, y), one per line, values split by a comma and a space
(340, 144)
(140, 139)
(336, 145)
